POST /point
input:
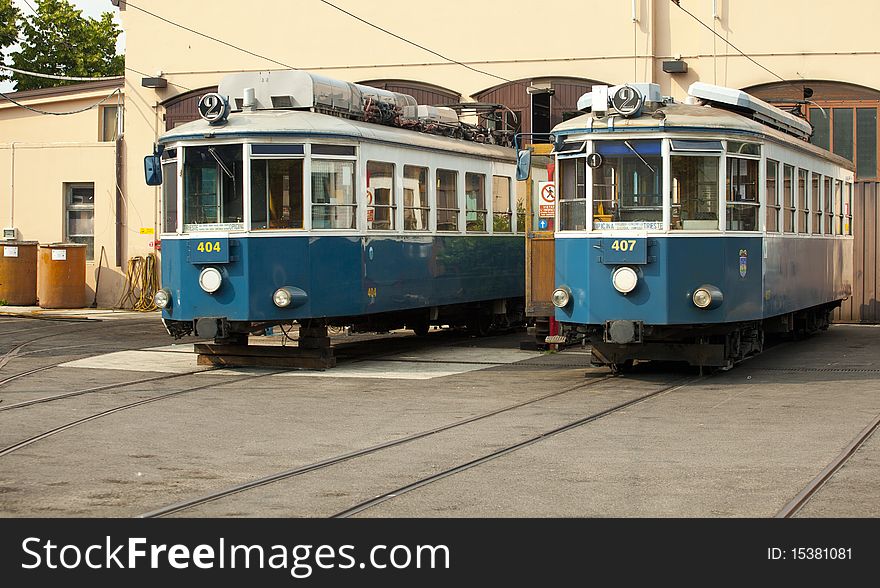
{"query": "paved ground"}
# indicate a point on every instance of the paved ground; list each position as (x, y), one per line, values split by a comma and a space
(740, 443)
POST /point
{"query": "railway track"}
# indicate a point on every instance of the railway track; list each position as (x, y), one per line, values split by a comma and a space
(301, 470)
(816, 484)
(51, 432)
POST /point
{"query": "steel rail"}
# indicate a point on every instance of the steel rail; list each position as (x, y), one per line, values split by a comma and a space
(367, 504)
(190, 503)
(798, 502)
(29, 441)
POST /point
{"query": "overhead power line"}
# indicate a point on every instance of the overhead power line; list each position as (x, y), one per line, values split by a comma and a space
(66, 113)
(714, 32)
(422, 47)
(195, 32)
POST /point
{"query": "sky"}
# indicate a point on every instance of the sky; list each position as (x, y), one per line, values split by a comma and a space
(90, 8)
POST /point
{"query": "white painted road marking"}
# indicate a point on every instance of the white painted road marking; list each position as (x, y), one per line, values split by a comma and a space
(424, 364)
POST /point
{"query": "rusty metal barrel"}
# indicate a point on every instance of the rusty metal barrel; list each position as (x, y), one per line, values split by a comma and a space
(18, 273)
(62, 275)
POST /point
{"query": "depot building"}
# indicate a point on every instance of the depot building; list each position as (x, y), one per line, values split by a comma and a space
(80, 178)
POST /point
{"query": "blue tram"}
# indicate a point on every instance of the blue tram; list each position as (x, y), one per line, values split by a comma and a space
(689, 231)
(305, 199)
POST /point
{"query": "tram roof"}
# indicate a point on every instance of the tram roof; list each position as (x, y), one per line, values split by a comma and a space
(693, 118)
(305, 124)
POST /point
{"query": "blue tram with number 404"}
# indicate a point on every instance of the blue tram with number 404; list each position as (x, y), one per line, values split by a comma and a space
(690, 231)
(305, 199)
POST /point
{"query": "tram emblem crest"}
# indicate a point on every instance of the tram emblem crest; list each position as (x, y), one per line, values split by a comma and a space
(743, 262)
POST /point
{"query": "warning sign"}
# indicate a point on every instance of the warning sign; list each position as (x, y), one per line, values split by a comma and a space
(547, 200)
(371, 211)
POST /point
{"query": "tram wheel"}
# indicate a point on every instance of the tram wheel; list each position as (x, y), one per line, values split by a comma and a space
(623, 367)
(420, 328)
(480, 325)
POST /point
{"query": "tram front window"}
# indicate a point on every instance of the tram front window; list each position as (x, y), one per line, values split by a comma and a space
(212, 188)
(694, 192)
(628, 186)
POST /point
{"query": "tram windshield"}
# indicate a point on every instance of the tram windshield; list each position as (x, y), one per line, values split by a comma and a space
(212, 188)
(628, 186)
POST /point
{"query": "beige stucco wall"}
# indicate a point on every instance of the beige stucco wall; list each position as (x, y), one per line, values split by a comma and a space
(38, 155)
(512, 39)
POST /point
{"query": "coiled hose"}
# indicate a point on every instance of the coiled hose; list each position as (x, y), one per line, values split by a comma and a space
(141, 284)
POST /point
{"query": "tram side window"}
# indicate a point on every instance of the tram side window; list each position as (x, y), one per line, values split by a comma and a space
(213, 195)
(475, 202)
(695, 192)
(447, 200)
(788, 197)
(848, 210)
(838, 207)
(333, 200)
(772, 196)
(628, 186)
(803, 202)
(815, 192)
(829, 207)
(742, 194)
(276, 194)
(415, 198)
(573, 196)
(169, 191)
(381, 206)
(501, 213)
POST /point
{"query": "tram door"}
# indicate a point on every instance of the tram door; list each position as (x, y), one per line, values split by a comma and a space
(540, 200)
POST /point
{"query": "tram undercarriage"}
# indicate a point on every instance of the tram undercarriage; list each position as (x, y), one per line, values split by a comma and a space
(618, 344)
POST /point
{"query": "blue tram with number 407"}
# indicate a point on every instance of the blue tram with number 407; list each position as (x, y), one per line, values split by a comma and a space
(305, 199)
(690, 231)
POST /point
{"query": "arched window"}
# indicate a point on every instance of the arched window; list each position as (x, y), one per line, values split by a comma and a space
(849, 124)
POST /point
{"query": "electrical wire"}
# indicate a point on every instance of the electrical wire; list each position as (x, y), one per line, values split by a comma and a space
(141, 284)
(66, 113)
(195, 32)
(711, 30)
(66, 78)
(422, 47)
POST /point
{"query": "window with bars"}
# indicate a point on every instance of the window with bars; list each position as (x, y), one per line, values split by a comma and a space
(80, 216)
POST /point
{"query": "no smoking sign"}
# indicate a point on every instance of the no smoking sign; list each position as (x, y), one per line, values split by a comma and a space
(547, 204)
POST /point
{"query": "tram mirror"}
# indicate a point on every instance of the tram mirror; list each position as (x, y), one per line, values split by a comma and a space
(153, 170)
(523, 164)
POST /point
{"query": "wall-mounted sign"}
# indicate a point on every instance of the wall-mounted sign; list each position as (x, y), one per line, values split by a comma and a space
(147, 230)
(547, 202)
(595, 160)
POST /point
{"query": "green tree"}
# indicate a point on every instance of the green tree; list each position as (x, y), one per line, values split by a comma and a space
(9, 16)
(58, 40)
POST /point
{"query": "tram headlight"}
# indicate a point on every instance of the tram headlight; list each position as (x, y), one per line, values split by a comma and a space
(707, 297)
(162, 299)
(624, 279)
(561, 297)
(282, 298)
(210, 280)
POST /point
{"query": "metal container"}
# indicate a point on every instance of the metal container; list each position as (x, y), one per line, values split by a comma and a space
(62, 275)
(18, 273)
